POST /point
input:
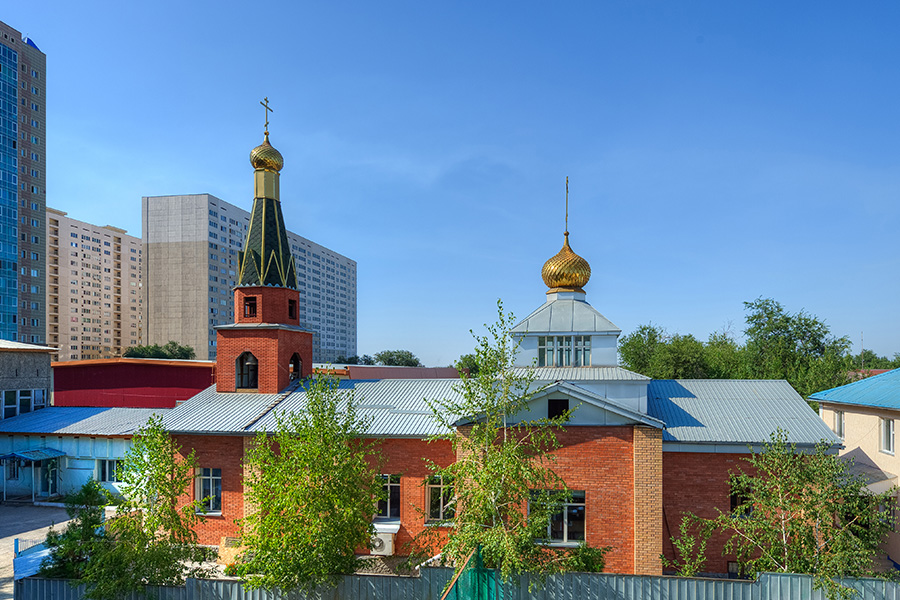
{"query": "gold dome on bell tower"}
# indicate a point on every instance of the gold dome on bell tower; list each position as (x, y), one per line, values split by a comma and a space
(566, 271)
(266, 157)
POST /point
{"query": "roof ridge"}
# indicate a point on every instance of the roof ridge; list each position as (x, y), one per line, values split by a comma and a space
(278, 400)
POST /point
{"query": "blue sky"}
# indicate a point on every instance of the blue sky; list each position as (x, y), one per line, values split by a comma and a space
(717, 151)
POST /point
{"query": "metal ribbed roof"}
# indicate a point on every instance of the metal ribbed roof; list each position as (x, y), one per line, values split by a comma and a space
(565, 315)
(581, 374)
(76, 420)
(733, 412)
(397, 408)
(34, 455)
(882, 391)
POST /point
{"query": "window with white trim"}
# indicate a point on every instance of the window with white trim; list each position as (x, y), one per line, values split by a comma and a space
(108, 470)
(887, 436)
(389, 506)
(12, 469)
(564, 351)
(441, 502)
(209, 490)
(839, 423)
(568, 525)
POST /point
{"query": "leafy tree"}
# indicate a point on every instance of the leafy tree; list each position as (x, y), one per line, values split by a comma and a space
(313, 492)
(801, 513)
(346, 360)
(71, 548)
(172, 350)
(636, 350)
(152, 539)
(397, 358)
(867, 359)
(365, 359)
(468, 363)
(503, 467)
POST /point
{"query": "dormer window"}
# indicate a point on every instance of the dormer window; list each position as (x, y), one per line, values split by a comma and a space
(564, 351)
(250, 306)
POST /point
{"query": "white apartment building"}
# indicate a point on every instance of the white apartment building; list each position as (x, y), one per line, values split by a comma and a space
(191, 245)
(94, 293)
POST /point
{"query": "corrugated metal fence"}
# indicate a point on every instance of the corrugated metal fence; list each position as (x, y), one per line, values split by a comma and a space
(573, 586)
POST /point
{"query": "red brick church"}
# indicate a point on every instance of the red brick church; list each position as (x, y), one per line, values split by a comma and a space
(636, 453)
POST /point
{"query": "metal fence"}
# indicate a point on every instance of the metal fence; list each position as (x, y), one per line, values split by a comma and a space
(571, 586)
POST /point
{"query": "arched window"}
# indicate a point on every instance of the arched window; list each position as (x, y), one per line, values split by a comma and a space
(247, 372)
(296, 367)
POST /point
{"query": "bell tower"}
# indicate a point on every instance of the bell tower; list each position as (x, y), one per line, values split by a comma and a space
(265, 349)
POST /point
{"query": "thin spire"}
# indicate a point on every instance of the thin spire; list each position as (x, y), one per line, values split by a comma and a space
(268, 110)
(567, 205)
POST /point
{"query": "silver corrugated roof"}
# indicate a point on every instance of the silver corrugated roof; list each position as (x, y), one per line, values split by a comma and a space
(565, 315)
(581, 374)
(733, 412)
(397, 408)
(75, 420)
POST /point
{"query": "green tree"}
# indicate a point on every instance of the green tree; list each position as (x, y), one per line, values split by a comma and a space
(636, 350)
(313, 490)
(172, 350)
(365, 359)
(801, 513)
(71, 548)
(152, 539)
(468, 363)
(346, 360)
(504, 487)
(681, 357)
(397, 358)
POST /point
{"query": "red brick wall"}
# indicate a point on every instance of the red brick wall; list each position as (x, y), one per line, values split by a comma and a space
(271, 305)
(698, 483)
(226, 453)
(273, 349)
(599, 460)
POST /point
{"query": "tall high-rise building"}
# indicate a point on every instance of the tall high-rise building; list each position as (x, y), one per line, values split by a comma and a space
(190, 251)
(23, 181)
(93, 288)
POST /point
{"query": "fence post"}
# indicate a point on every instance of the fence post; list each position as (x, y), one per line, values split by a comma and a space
(15, 547)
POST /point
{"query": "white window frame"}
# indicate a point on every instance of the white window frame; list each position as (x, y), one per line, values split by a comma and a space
(443, 488)
(108, 470)
(13, 471)
(564, 351)
(839, 423)
(565, 506)
(887, 435)
(390, 483)
(208, 501)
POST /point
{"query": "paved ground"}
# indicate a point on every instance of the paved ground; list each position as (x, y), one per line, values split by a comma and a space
(26, 523)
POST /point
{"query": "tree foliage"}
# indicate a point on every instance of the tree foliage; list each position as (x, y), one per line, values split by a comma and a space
(467, 363)
(172, 350)
(71, 548)
(778, 345)
(397, 358)
(152, 539)
(313, 492)
(801, 513)
(505, 488)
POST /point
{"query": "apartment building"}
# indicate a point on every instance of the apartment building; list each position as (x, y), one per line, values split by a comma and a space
(23, 181)
(190, 249)
(94, 288)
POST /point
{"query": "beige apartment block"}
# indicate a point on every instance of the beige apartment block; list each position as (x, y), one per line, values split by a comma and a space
(93, 288)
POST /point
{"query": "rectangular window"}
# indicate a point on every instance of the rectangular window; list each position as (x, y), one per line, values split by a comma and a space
(12, 470)
(887, 436)
(556, 407)
(250, 306)
(292, 309)
(209, 490)
(567, 526)
(441, 502)
(389, 507)
(40, 397)
(108, 470)
(10, 404)
(839, 423)
(564, 351)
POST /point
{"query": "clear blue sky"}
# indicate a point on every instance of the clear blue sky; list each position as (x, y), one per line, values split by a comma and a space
(717, 151)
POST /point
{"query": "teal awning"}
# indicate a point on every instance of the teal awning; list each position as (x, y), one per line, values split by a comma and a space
(34, 455)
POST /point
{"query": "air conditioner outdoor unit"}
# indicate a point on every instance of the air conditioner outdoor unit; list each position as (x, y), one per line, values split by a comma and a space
(383, 544)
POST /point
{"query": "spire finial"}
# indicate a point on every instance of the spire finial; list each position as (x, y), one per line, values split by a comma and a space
(265, 105)
(567, 205)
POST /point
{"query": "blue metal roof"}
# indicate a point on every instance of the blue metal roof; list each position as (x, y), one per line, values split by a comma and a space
(882, 391)
(34, 455)
(733, 411)
(78, 420)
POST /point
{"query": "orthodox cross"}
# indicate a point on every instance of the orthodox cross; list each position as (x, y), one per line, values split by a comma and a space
(567, 205)
(268, 110)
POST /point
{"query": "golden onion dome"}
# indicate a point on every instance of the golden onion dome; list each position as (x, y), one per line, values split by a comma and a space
(566, 271)
(265, 156)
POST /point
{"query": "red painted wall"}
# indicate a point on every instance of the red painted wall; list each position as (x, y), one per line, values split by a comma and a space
(129, 382)
(698, 483)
